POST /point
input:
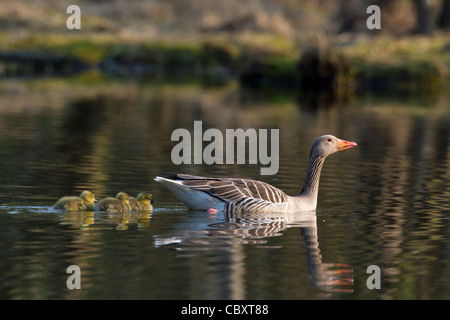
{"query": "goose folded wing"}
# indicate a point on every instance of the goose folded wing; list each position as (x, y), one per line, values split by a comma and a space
(235, 190)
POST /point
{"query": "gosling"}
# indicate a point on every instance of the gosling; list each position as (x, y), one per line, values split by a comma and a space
(85, 202)
(118, 204)
(143, 202)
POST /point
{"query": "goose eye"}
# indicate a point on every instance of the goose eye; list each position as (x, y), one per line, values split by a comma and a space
(329, 139)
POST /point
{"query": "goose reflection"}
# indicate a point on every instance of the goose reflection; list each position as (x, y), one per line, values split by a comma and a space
(329, 277)
(245, 228)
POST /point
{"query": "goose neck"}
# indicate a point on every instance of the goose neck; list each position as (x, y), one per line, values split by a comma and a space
(311, 185)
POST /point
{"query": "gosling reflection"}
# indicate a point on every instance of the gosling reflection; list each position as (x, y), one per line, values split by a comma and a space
(255, 229)
(126, 221)
(97, 220)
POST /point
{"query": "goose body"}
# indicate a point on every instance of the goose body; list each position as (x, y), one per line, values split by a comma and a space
(246, 195)
(85, 202)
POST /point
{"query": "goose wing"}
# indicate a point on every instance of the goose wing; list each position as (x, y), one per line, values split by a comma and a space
(234, 190)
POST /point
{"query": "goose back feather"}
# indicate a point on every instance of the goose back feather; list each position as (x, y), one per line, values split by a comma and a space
(232, 194)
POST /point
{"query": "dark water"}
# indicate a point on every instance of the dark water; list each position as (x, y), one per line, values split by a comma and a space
(384, 203)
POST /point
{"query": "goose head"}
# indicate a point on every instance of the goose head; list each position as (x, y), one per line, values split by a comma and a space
(145, 198)
(329, 144)
(122, 196)
(88, 197)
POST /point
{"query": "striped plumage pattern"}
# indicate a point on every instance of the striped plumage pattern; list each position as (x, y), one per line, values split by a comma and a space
(313, 174)
(239, 195)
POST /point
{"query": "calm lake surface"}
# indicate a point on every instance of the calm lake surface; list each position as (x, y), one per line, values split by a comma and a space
(384, 203)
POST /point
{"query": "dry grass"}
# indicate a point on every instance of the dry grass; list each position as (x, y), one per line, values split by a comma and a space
(284, 18)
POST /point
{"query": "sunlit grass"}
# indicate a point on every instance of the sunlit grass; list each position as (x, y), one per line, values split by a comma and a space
(416, 60)
(413, 52)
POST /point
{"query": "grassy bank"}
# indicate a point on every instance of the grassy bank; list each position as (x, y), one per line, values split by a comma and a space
(343, 65)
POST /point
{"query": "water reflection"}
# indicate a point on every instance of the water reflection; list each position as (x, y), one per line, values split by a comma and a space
(87, 220)
(384, 204)
(244, 229)
(231, 233)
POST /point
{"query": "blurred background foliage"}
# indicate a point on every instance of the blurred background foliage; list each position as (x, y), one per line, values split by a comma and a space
(312, 45)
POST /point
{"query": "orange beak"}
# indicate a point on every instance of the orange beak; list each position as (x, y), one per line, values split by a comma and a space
(346, 144)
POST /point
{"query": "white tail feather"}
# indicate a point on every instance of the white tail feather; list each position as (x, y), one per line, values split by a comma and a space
(194, 199)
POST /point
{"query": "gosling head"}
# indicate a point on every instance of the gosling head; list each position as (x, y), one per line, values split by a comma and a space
(122, 196)
(328, 144)
(88, 197)
(145, 198)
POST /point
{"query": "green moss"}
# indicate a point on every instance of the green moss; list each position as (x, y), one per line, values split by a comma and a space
(83, 50)
(216, 52)
(263, 60)
(417, 62)
(405, 76)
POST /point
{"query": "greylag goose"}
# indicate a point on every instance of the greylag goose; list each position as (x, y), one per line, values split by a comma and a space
(85, 202)
(118, 204)
(245, 195)
(143, 202)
